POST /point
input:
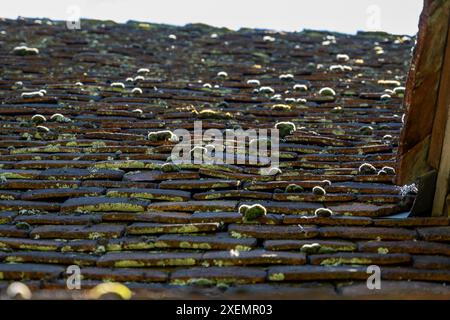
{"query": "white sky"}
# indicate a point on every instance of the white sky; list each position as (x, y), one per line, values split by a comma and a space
(349, 16)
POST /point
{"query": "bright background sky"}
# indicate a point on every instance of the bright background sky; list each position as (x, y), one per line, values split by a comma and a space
(349, 16)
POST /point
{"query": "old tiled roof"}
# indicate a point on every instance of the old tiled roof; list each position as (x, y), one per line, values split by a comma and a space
(86, 187)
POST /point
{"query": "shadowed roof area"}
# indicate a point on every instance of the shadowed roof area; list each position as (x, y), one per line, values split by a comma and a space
(88, 187)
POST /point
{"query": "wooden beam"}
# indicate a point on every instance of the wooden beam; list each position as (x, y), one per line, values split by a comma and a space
(442, 109)
(439, 154)
(422, 90)
(442, 183)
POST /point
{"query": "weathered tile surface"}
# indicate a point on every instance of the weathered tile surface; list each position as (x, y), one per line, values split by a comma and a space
(324, 245)
(254, 257)
(316, 273)
(134, 259)
(357, 258)
(158, 228)
(435, 233)
(102, 204)
(273, 232)
(206, 242)
(369, 233)
(80, 259)
(124, 274)
(77, 231)
(94, 190)
(407, 246)
(237, 275)
(28, 271)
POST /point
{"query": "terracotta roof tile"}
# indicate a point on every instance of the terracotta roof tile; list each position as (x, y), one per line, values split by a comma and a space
(413, 247)
(17, 205)
(80, 259)
(273, 232)
(332, 221)
(435, 233)
(412, 222)
(191, 206)
(102, 204)
(149, 194)
(28, 244)
(205, 242)
(61, 193)
(135, 259)
(77, 232)
(82, 246)
(6, 217)
(219, 274)
(315, 273)
(325, 245)
(359, 258)
(225, 217)
(431, 262)
(397, 290)
(399, 273)
(254, 257)
(13, 231)
(27, 271)
(159, 228)
(124, 274)
(58, 219)
(372, 233)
